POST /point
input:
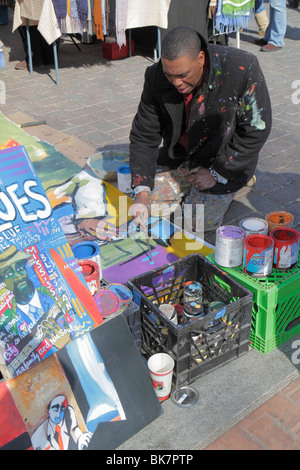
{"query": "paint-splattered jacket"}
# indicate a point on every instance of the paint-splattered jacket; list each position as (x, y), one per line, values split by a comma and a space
(230, 120)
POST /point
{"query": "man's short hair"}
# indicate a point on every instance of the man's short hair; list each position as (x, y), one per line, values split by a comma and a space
(181, 41)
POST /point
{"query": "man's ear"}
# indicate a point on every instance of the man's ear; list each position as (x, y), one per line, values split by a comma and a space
(201, 58)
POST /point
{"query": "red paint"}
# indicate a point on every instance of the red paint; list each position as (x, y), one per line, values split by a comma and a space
(90, 271)
(80, 290)
(255, 245)
(286, 243)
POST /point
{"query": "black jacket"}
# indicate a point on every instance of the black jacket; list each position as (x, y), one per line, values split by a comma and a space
(230, 120)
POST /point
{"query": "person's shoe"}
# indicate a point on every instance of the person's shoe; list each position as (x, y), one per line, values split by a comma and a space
(21, 65)
(251, 182)
(270, 48)
(260, 42)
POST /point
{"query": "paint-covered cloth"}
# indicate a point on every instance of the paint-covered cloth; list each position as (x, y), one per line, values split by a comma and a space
(203, 212)
(230, 120)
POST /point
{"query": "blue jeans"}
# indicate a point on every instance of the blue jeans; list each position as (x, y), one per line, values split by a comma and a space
(259, 6)
(277, 26)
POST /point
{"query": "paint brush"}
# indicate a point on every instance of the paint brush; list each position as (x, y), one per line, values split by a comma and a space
(148, 243)
(144, 230)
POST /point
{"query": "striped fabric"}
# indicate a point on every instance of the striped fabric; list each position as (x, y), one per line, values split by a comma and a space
(39, 12)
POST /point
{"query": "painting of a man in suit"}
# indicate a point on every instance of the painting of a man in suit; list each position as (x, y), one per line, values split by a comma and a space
(29, 304)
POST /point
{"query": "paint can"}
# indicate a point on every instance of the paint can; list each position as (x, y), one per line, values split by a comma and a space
(88, 250)
(107, 302)
(122, 291)
(253, 225)
(170, 312)
(124, 179)
(286, 247)
(192, 299)
(90, 271)
(258, 255)
(229, 246)
(279, 219)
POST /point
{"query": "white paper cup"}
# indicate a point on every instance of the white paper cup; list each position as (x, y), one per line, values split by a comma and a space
(161, 367)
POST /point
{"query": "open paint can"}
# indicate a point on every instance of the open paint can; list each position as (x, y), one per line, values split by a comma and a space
(122, 291)
(107, 302)
(90, 271)
(88, 250)
(286, 247)
(229, 246)
(258, 255)
(253, 225)
(279, 219)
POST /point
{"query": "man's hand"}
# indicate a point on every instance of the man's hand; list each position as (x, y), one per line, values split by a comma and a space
(201, 178)
(140, 210)
(95, 228)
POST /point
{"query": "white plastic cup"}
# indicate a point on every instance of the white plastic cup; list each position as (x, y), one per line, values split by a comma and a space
(161, 367)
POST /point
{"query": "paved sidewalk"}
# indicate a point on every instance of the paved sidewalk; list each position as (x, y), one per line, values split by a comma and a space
(275, 425)
(253, 402)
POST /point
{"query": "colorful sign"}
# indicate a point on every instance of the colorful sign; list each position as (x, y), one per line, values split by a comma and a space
(44, 299)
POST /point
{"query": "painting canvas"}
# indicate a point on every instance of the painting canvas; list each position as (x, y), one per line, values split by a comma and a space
(93, 394)
(44, 300)
(87, 207)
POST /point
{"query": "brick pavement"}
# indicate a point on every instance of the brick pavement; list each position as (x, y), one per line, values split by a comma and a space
(92, 109)
(275, 425)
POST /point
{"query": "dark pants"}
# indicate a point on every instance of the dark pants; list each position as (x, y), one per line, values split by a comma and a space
(42, 52)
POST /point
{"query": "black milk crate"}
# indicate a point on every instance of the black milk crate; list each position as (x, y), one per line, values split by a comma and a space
(132, 315)
(206, 343)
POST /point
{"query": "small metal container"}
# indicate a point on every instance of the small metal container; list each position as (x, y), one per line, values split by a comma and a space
(192, 299)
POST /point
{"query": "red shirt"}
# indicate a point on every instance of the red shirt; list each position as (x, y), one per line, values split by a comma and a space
(184, 139)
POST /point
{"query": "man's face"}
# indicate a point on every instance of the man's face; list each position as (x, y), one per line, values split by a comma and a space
(57, 409)
(16, 280)
(184, 73)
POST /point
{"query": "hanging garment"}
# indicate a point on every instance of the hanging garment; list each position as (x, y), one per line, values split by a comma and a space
(60, 7)
(121, 21)
(142, 13)
(82, 12)
(233, 15)
(103, 6)
(79, 14)
(98, 19)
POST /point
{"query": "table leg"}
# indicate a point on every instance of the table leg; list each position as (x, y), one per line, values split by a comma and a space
(56, 62)
(29, 46)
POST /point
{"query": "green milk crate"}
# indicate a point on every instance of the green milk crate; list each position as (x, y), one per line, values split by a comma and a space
(275, 307)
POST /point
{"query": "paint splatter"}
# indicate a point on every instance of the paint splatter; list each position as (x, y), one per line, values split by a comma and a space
(256, 120)
(201, 109)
